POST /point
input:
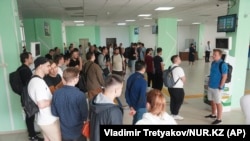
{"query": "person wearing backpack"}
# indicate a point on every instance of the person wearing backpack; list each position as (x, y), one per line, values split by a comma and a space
(177, 92)
(117, 61)
(216, 84)
(40, 93)
(25, 76)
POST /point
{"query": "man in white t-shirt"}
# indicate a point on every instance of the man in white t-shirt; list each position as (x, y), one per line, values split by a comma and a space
(41, 95)
(117, 61)
(177, 92)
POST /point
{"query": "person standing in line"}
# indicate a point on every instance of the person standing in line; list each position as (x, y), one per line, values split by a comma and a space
(177, 92)
(135, 93)
(132, 57)
(76, 60)
(156, 106)
(191, 54)
(103, 62)
(158, 67)
(103, 110)
(149, 66)
(207, 53)
(40, 93)
(95, 80)
(53, 79)
(117, 62)
(25, 76)
(69, 104)
(216, 85)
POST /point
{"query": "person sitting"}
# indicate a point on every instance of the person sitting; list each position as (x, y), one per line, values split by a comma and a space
(156, 106)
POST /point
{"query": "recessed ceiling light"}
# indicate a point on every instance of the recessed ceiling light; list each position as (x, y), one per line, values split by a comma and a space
(129, 20)
(148, 18)
(178, 20)
(196, 23)
(144, 15)
(121, 23)
(78, 21)
(164, 8)
(79, 24)
(147, 25)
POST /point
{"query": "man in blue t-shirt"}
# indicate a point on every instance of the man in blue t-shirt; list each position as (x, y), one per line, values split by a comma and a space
(216, 84)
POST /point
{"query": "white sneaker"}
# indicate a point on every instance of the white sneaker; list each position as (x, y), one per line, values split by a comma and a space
(177, 117)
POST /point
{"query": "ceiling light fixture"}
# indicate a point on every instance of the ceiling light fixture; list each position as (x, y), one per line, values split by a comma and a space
(121, 23)
(129, 20)
(79, 24)
(164, 8)
(196, 23)
(144, 15)
(179, 20)
(147, 25)
(78, 21)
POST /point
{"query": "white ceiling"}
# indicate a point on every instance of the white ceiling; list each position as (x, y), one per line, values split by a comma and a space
(110, 12)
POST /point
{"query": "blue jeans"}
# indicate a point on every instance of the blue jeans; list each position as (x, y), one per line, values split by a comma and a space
(138, 115)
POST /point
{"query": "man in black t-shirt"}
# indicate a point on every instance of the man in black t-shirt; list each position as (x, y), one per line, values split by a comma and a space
(158, 69)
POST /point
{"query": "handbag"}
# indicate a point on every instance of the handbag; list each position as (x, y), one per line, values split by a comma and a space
(86, 129)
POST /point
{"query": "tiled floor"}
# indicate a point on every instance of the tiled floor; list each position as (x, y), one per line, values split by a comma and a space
(193, 109)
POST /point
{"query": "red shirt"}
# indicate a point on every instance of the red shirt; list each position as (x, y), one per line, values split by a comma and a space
(149, 63)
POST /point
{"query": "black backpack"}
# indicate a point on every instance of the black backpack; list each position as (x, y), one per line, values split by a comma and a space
(16, 83)
(28, 104)
(168, 78)
(229, 71)
(83, 79)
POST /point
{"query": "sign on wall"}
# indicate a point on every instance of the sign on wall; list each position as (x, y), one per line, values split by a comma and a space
(46, 29)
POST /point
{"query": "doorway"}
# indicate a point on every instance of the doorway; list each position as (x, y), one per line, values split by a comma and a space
(84, 42)
(110, 41)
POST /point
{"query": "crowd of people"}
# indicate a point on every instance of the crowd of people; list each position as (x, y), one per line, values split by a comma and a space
(65, 103)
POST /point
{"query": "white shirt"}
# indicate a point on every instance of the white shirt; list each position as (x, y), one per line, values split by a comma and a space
(38, 91)
(60, 72)
(178, 72)
(117, 62)
(149, 118)
(208, 48)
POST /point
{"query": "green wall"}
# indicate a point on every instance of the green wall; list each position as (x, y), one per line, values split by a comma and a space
(74, 33)
(240, 43)
(200, 48)
(34, 32)
(167, 38)
(10, 106)
(132, 37)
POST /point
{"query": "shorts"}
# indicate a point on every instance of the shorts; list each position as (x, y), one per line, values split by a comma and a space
(214, 95)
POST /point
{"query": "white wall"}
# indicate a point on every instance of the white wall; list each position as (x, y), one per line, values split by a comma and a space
(146, 37)
(120, 33)
(210, 35)
(191, 32)
(183, 33)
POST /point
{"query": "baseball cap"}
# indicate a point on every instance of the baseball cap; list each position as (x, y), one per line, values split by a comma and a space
(39, 61)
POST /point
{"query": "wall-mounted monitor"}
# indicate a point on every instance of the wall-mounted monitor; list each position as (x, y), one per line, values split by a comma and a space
(35, 48)
(227, 23)
(224, 43)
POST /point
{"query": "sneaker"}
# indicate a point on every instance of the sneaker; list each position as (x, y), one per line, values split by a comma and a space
(36, 138)
(216, 122)
(210, 116)
(177, 117)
